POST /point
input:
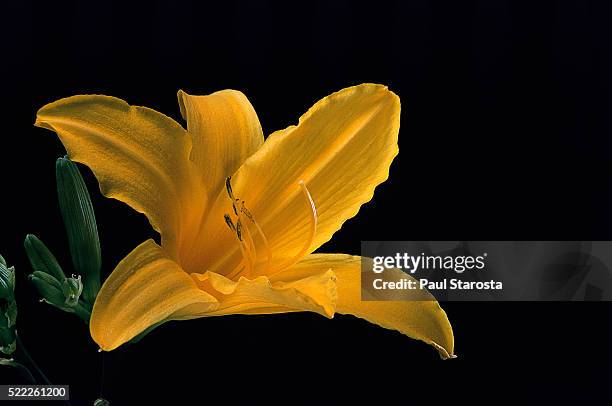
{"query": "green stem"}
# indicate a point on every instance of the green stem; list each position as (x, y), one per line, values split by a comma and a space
(20, 367)
(31, 360)
(82, 312)
(34, 364)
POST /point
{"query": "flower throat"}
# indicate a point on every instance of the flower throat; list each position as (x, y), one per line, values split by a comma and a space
(240, 224)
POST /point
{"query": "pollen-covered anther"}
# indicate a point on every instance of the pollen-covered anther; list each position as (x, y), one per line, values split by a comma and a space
(229, 222)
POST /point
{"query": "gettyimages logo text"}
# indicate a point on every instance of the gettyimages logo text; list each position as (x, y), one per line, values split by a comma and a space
(413, 263)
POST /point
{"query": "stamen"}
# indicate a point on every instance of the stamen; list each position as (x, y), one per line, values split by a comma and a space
(245, 258)
(250, 244)
(248, 215)
(248, 257)
(247, 242)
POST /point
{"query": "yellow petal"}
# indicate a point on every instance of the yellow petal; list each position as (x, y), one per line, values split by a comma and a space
(315, 292)
(145, 289)
(423, 319)
(225, 131)
(342, 149)
(139, 156)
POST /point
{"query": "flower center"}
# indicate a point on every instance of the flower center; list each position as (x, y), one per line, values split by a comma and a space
(241, 222)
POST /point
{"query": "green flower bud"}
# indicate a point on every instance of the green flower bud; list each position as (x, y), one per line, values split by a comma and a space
(80, 222)
(7, 282)
(64, 295)
(8, 309)
(72, 288)
(49, 288)
(101, 402)
(41, 258)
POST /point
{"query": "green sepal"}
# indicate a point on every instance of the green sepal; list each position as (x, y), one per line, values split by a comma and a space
(41, 259)
(80, 221)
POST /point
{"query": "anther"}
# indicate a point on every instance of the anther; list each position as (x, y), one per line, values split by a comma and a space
(239, 230)
(230, 193)
(229, 222)
(228, 187)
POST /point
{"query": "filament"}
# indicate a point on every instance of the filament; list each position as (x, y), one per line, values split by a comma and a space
(250, 216)
(245, 258)
(249, 243)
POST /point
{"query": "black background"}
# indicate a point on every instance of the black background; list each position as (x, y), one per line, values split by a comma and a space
(505, 135)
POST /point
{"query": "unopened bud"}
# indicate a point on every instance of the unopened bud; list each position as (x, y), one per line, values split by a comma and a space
(49, 288)
(7, 282)
(8, 309)
(41, 259)
(81, 228)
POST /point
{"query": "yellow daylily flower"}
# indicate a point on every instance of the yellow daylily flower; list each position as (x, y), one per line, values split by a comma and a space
(245, 245)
